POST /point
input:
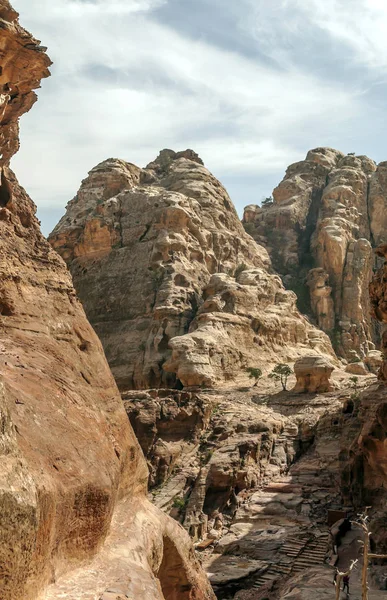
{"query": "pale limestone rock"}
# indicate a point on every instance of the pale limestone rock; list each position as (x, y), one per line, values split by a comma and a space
(357, 368)
(313, 374)
(377, 204)
(321, 298)
(327, 212)
(374, 361)
(174, 287)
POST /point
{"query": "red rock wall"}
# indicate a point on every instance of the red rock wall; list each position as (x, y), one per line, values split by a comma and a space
(69, 460)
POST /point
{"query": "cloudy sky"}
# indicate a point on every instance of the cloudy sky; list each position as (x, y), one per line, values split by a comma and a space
(250, 85)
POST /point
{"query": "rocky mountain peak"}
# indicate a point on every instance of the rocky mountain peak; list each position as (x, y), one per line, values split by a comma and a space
(166, 157)
(326, 215)
(176, 289)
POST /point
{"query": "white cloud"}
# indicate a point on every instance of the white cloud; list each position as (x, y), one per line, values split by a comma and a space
(360, 25)
(83, 8)
(126, 85)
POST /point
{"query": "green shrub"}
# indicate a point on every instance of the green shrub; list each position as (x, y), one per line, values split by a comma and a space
(180, 503)
(239, 269)
(254, 373)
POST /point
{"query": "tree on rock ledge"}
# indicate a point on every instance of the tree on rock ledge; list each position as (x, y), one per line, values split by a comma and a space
(254, 373)
(281, 373)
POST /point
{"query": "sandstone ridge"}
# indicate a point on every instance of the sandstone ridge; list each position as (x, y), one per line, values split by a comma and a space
(70, 463)
(326, 215)
(176, 290)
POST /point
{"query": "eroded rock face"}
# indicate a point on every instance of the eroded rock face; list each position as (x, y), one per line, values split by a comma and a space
(378, 294)
(326, 216)
(172, 284)
(364, 471)
(23, 65)
(68, 457)
(168, 425)
(313, 374)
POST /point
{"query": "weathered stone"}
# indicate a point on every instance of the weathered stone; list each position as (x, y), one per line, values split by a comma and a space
(326, 213)
(378, 294)
(170, 281)
(313, 374)
(71, 469)
(374, 361)
(168, 427)
(357, 368)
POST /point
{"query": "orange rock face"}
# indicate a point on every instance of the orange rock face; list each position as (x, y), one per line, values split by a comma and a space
(69, 460)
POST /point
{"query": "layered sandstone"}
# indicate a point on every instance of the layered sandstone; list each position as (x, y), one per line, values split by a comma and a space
(170, 281)
(326, 215)
(70, 463)
(313, 374)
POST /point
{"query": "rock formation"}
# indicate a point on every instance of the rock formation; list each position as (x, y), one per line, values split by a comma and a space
(70, 464)
(378, 294)
(326, 215)
(313, 374)
(364, 458)
(170, 281)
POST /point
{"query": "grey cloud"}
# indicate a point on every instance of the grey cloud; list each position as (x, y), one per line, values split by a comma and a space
(248, 86)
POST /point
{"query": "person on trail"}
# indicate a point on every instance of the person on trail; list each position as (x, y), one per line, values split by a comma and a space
(346, 583)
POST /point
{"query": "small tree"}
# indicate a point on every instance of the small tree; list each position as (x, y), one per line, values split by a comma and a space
(353, 383)
(267, 201)
(254, 373)
(281, 373)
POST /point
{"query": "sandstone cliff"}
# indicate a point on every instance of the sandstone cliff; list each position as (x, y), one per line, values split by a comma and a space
(172, 284)
(69, 461)
(326, 215)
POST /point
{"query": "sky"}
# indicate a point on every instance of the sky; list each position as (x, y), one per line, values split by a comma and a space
(250, 85)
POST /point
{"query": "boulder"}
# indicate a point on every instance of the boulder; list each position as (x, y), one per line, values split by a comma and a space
(374, 361)
(357, 368)
(313, 375)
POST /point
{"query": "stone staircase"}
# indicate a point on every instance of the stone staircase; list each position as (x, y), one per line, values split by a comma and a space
(312, 555)
(275, 571)
(301, 553)
(294, 546)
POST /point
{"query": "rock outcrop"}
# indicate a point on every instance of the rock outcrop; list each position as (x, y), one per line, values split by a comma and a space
(70, 465)
(170, 281)
(313, 375)
(364, 458)
(378, 294)
(326, 215)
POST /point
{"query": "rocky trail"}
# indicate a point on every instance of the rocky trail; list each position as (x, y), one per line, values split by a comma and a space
(280, 531)
(283, 525)
(252, 474)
